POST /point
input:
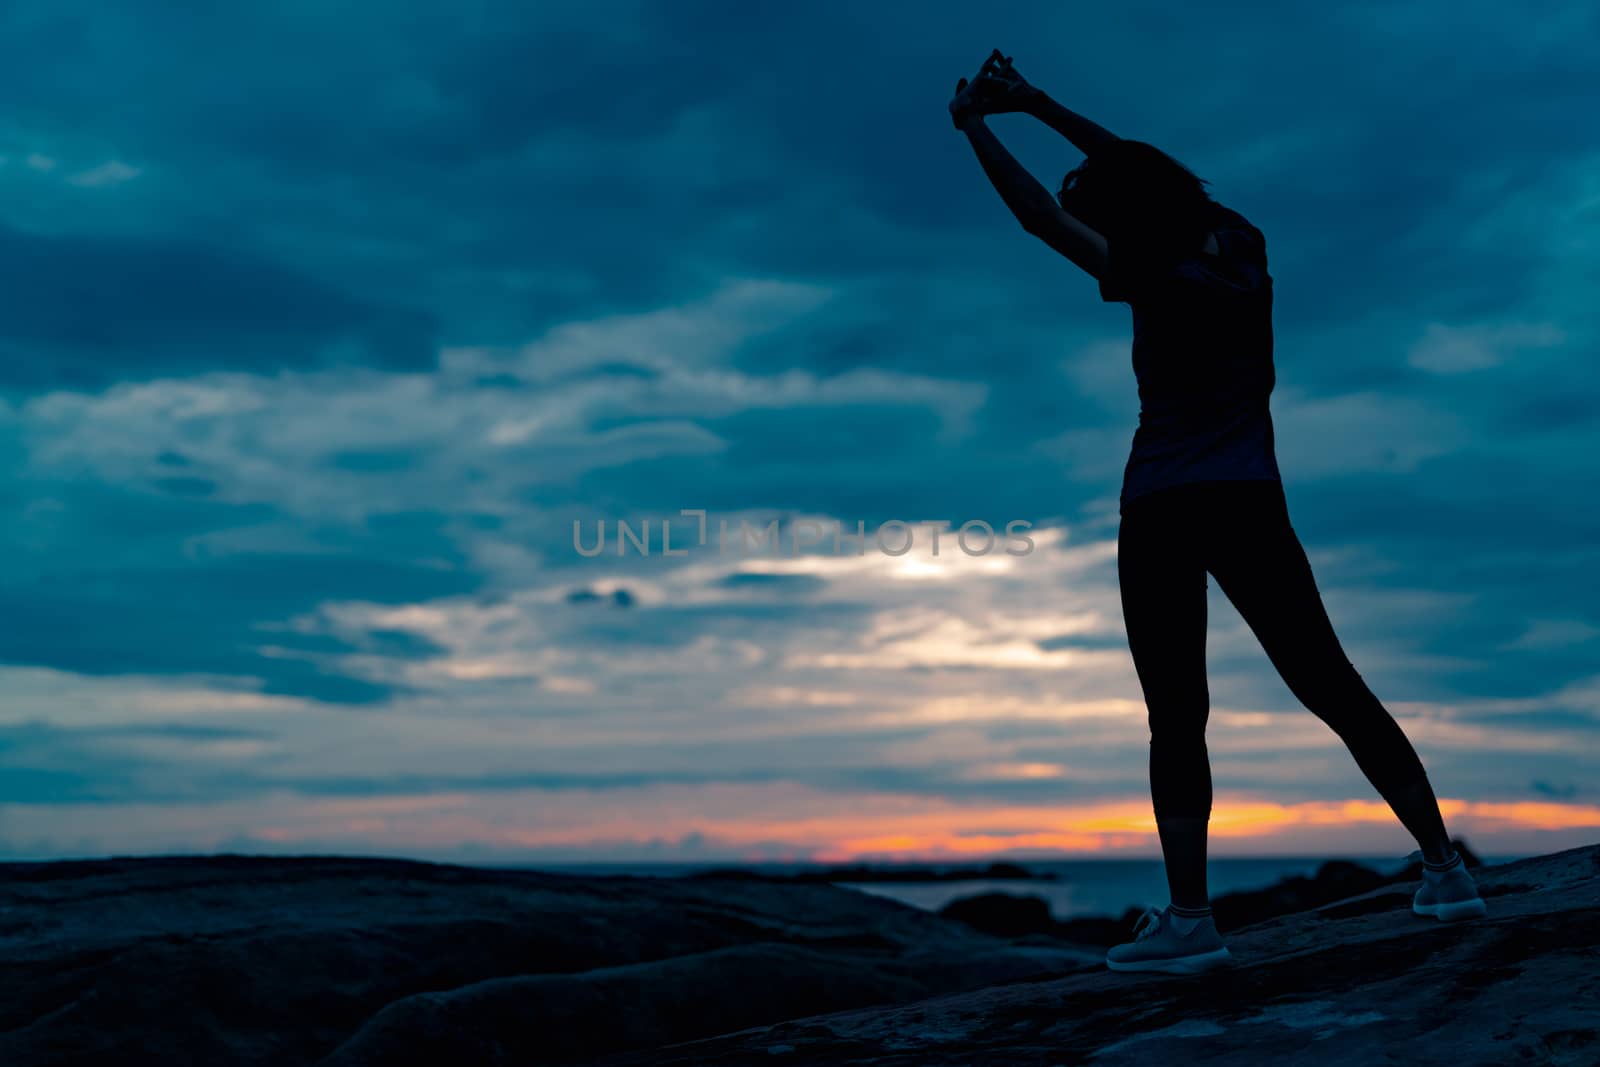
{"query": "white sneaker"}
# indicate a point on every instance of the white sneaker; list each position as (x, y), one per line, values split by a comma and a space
(1158, 946)
(1448, 895)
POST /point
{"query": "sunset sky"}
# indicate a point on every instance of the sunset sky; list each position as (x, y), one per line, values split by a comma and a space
(321, 326)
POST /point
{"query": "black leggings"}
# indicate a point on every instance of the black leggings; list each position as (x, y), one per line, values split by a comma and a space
(1238, 531)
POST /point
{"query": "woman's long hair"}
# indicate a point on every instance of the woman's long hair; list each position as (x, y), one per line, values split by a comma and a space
(1136, 194)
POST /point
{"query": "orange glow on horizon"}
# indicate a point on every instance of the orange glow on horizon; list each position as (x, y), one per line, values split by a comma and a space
(891, 829)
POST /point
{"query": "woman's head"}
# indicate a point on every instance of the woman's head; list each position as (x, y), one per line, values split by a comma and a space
(1130, 189)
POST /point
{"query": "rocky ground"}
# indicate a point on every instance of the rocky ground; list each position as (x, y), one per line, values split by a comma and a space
(347, 962)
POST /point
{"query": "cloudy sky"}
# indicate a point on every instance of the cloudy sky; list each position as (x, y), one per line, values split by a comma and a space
(320, 330)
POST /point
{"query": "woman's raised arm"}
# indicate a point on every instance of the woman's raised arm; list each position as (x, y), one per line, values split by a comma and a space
(1087, 136)
(1003, 89)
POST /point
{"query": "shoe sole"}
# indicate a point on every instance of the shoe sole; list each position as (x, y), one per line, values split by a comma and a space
(1453, 911)
(1203, 961)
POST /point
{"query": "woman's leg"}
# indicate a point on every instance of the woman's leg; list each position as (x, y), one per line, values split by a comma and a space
(1163, 590)
(1261, 566)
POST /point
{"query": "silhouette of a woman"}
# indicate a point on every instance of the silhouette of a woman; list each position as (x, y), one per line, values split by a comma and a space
(1201, 490)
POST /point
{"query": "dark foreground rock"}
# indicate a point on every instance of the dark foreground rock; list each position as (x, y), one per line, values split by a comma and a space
(343, 962)
(284, 961)
(1358, 981)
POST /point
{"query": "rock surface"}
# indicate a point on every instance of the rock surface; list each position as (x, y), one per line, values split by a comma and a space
(348, 962)
(281, 961)
(1359, 981)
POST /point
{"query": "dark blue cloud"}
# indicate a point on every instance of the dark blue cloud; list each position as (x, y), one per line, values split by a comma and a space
(83, 311)
(200, 619)
(115, 592)
(41, 763)
(867, 462)
(778, 583)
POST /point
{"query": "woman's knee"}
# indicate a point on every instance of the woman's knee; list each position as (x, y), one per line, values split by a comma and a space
(1180, 723)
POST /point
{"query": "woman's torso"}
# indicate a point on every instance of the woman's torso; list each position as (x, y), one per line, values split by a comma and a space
(1203, 358)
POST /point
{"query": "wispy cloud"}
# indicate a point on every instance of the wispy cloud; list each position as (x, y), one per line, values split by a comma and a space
(111, 172)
